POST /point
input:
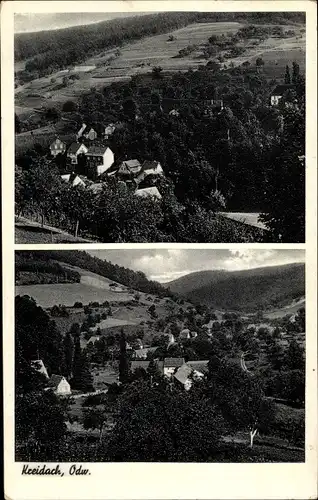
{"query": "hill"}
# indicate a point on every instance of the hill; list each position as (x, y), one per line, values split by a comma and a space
(261, 288)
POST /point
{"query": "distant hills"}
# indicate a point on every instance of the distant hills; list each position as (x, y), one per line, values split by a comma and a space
(254, 289)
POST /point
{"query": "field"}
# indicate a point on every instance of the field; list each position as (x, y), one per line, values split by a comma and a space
(142, 56)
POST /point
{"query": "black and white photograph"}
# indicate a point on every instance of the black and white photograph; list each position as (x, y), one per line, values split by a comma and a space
(160, 355)
(139, 127)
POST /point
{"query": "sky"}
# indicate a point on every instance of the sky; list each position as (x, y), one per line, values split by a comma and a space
(164, 265)
(41, 22)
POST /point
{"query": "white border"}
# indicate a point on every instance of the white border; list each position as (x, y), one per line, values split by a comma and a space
(162, 481)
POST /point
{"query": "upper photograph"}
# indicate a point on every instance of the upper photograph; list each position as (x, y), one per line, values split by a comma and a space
(185, 127)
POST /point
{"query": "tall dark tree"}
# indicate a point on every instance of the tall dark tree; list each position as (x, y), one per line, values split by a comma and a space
(294, 358)
(287, 75)
(295, 73)
(68, 354)
(82, 379)
(123, 359)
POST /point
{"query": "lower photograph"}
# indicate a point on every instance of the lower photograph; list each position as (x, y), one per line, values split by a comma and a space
(160, 355)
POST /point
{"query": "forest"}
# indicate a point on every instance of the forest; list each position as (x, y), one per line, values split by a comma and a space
(49, 51)
(248, 156)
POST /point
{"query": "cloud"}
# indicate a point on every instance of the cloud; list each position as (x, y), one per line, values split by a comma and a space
(164, 265)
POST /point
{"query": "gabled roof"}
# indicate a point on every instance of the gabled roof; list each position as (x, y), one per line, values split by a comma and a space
(131, 164)
(147, 192)
(97, 150)
(150, 165)
(280, 89)
(39, 366)
(57, 140)
(183, 373)
(173, 362)
(55, 380)
(74, 147)
(200, 366)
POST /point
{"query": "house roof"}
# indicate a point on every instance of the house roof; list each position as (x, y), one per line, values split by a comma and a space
(39, 366)
(74, 147)
(55, 380)
(173, 362)
(144, 351)
(183, 373)
(147, 192)
(144, 364)
(132, 164)
(150, 164)
(97, 150)
(200, 366)
(280, 89)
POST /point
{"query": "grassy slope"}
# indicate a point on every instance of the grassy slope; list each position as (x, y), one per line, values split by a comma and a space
(259, 287)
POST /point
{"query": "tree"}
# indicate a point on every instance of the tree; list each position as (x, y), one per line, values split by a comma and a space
(68, 354)
(82, 379)
(294, 358)
(39, 425)
(95, 419)
(156, 72)
(123, 359)
(69, 107)
(17, 124)
(156, 425)
(296, 73)
(287, 75)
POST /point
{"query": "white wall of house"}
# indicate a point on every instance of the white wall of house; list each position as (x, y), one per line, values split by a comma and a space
(73, 156)
(275, 99)
(168, 371)
(63, 387)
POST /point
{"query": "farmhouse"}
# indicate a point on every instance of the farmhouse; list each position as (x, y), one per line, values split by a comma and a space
(143, 352)
(39, 366)
(74, 150)
(57, 147)
(87, 132)
(129, 167)
(171, 364)
(149, 168)
(60, 385)
(278, 93)
(99, 159)
(151, 192)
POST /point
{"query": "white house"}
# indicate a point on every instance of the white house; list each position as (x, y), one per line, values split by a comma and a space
(74, 150)
(185, 334)
(60, 385)
(100, 158)
(150, 192)
(57, 147)
(278, 93)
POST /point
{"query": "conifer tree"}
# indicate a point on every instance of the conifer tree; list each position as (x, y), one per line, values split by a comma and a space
(287, 75)
(68, 354)
(82, 378)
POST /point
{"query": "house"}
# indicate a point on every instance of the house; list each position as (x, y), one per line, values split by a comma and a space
(57, 147)
(74, 150)
(93, 339)
(141, 364)
(39, 366)
(73, 179)
(278, 93)
(129, 167)
(149, 168)
(170, 365)
(171, 339)
(86, 132)
(150, 192)
(188, 372)
(109, 130)
(143, 352)
(185, 334)
(201, 367)
(99, 158)
(60, 385)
